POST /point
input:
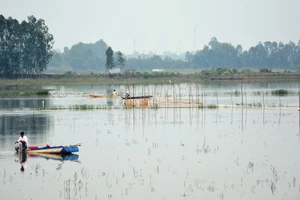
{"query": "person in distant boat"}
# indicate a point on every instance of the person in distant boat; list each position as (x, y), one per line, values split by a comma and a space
(115, 94)
(23, 140)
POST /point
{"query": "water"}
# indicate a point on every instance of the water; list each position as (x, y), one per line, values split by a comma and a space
(146, 153)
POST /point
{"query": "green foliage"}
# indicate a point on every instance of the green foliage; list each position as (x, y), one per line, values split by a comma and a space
(267, 54)
(17, 92)
(70, 74)
(154, 106)
(25, 48)
(147, 75)
(280, 92)
(120, 59)
(209, 106)
(110, 63)
(80, 57)
(265, 70)
(224, 71)
(43, 92)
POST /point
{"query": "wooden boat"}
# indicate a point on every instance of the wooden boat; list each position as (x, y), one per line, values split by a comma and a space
(53, 149)
(137, 97)
(97, 95)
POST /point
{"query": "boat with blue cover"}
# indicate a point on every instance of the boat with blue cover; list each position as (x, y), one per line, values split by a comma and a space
(67, 149)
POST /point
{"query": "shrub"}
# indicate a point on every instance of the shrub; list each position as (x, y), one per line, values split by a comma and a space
(280, 92)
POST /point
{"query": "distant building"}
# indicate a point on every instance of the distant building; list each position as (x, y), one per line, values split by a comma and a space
(115, 72)
(158, 70)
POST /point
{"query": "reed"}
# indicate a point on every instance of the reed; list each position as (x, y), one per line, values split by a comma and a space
(209, 106)
(81, 107)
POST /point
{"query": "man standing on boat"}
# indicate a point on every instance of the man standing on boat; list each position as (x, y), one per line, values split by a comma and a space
(23, 140)
(114, 94)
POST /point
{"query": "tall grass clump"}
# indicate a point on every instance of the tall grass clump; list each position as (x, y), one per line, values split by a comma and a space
(280, 92)
(42, 92)
(209, 106)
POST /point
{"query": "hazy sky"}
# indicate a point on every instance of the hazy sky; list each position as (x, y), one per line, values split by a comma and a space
(162, 25)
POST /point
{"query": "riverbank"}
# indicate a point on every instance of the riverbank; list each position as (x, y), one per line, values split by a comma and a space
(148, 78)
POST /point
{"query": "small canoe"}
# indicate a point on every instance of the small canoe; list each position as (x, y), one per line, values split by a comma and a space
(138, 97)
(53, 149)
(97, 95)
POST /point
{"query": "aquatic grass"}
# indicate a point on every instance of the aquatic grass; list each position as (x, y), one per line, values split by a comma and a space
(82, 107)
(154, 106)
(92, 107)
(43, 92)
(255, 104)
(24, 92)
(280, 92)
(209, 106)
(218, 74)
(129, 106)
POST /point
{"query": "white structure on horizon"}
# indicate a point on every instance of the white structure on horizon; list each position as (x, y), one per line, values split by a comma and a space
(158, 70)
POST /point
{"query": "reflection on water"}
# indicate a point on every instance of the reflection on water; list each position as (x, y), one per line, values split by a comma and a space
(224, 94)
(23, 159)
(163, 153)
(36, 125)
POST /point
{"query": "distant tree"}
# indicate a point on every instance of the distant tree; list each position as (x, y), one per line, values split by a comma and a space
(110, 63)
(81, 57)
(120, 59)
(189, 56)
(57, 59)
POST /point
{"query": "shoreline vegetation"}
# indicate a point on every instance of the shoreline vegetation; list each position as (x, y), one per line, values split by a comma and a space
(135, 77)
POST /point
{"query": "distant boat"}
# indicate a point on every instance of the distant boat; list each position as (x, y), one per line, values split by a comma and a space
(98, 95)
(137, 97)
(136, 100)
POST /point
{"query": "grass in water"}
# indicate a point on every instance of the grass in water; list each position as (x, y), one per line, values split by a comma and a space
(209, 106)
(280, 92)
(23, 92)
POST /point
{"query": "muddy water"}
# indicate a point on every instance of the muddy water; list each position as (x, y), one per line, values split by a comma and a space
(164, 153)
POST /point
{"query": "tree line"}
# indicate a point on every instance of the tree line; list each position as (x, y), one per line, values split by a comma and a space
(263, 55)
(25, 47)
(80, 57)
(267, 55)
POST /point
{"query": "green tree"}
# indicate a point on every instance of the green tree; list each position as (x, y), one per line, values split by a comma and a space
(120, 60)
(25, 48)
(37, 46)
(110, 63)
(80, 57)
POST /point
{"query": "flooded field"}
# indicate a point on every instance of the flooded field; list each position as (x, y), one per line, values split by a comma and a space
(233, 151)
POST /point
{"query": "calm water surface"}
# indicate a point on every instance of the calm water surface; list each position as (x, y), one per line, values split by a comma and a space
(145, 153)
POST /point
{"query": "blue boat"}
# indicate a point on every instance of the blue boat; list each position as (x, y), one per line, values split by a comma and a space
(53, 149)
